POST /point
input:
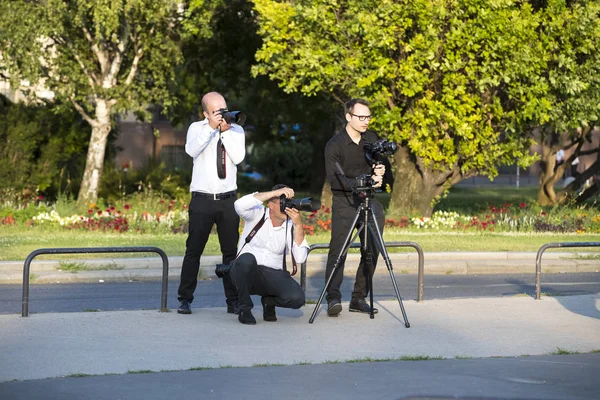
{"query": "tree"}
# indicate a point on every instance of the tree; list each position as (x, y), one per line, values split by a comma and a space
(559, 97)
(103, 57)
(435, 71)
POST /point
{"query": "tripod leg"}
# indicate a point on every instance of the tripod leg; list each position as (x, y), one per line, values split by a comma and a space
(368, 262)
(341, 256)
(378, 239)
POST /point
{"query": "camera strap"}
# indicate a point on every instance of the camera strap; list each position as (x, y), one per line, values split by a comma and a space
(252, 233)
(221, 160)
(294, 265)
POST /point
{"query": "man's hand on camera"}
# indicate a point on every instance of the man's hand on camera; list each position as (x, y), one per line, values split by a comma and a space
(294, 216)
(288, 192)
(378, 169)
(378, 181)
(224, 126)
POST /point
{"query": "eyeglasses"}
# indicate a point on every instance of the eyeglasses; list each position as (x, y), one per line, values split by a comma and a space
(362, 117)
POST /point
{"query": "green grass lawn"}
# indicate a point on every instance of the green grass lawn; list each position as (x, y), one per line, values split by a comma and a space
(17, 243)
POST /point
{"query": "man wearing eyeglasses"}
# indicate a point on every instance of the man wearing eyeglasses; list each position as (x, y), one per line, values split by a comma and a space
(347, 149)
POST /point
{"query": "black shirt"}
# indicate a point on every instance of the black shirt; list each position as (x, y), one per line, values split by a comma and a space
(351, 158)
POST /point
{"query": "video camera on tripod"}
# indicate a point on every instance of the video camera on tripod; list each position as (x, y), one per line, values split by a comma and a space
(366, 224)
(375, 152)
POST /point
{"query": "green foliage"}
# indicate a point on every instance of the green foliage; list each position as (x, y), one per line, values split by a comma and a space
(560, 87)
(40, 148)
(154, 177)
(86, 50)
(431, 68)
(98, 56)
(285, 162)
(454, 82)
(223, 61)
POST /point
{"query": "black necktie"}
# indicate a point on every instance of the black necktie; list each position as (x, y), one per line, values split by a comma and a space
(221, 153)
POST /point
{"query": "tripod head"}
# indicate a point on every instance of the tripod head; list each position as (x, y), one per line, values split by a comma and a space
(362, 185)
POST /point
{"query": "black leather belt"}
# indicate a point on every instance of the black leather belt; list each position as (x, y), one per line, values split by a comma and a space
(214, 196)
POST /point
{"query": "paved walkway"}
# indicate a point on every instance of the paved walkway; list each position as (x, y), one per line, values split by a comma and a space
(42, 355)
(54, 345)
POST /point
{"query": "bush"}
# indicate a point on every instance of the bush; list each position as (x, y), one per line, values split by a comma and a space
(285, 162)
(117, 183)
(41, 148)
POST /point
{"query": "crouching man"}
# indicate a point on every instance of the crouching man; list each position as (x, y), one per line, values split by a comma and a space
(260, 266)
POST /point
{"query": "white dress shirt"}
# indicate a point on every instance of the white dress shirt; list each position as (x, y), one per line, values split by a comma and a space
(269, 242)
(201, 145)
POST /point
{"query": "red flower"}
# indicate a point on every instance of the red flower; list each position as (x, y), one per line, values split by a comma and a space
(90, 211)
(127, 206)
(522, 205)
(40, 197)
(543, 213)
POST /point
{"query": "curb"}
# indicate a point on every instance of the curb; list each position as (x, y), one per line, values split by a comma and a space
(445, 263)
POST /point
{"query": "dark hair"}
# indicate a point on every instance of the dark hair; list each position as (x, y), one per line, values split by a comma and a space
(349, 106)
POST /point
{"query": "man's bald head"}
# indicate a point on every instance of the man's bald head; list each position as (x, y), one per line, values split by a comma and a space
(211, 97)
(211, 104)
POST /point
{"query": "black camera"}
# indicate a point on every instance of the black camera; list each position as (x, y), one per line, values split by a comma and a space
(364, 181)
(233, 117)
(306, 204)
(374, 152)
(222, 269)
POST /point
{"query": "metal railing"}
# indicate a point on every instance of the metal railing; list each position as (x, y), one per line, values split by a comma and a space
(79, 250)
(387, 244)
(538, 260)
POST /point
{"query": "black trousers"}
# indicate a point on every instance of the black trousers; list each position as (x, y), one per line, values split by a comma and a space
(275, 285)
(203, 215)
(343, 215)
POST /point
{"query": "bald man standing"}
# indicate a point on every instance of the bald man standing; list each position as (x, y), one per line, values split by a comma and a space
(217, 148)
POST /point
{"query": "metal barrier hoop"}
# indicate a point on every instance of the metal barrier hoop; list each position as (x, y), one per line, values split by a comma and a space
(538, 260)
(387, 244)
(79, 250)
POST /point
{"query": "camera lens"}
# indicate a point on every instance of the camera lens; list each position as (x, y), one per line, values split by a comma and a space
(306, 204)
(234, 117)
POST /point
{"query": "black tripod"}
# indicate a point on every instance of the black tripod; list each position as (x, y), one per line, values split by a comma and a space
(367, 222)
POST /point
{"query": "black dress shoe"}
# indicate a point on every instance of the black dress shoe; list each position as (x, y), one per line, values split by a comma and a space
(233, 309)
(184, 307)
(361, 306)
(268, 311)
(334, 308)
(247, 318)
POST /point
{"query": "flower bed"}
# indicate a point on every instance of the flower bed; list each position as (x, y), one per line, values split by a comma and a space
(145, 212)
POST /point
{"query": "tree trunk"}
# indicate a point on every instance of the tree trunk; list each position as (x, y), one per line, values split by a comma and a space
(88, 193)
(548, 177)
(414, 189)
(546, 194)
(326, 195)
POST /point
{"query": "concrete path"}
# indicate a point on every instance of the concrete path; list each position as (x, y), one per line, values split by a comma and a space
(52, 345)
